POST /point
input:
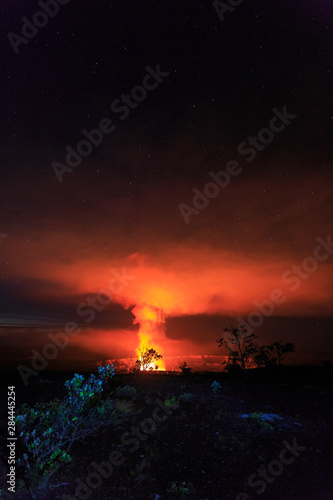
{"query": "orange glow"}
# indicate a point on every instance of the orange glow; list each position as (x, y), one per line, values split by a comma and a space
(183, 271)
(151, 330)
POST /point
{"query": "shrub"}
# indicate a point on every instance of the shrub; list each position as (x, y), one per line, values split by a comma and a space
(171, 402)
(279, 351)
(136, 367)
(147, 359)
(124, 406)
(185, 369)
(264, 357)
(181, 489)
(126, 391)
(261, 421)
(48, 430)
(216, 387)
(233, 369)
(105, 372)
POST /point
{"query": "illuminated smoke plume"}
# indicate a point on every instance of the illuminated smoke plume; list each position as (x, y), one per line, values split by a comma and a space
(151, 332)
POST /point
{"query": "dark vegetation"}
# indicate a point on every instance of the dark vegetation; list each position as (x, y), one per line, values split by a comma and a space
(216, 433)
(246, 353)
(147, 360)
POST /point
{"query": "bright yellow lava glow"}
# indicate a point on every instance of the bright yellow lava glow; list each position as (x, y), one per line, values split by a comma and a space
(151, 322)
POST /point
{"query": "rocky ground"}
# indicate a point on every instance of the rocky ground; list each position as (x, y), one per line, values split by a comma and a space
(267, 438)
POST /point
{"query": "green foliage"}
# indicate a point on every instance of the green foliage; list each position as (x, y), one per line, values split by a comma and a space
(182, 489)
(216, 387)
(124, 406)
(48, 430)
(171, 402)
(261, 421)
(105, 372)
(126, 391)
(185, 369)
(20, 485)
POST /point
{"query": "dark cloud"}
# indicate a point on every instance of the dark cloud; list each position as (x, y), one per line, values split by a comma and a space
(119, 208)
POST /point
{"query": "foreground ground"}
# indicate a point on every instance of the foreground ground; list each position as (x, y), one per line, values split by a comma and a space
(207, 446)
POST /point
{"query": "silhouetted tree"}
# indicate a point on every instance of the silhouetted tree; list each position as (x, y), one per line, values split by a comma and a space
(270, 355)
(185, 369)
(242, 346)
(265, 357)
(147, 357)
(281, 350)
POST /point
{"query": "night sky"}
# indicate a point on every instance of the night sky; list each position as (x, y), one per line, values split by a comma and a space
(208, 189)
